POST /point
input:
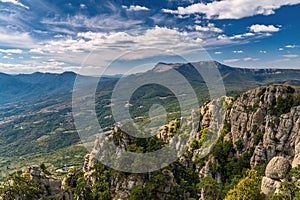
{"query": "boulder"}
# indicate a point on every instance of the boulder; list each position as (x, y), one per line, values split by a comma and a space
(278, 168)
(296, 161)
(269, 186)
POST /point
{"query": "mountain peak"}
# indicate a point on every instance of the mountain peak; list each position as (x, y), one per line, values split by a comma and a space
(162, 67)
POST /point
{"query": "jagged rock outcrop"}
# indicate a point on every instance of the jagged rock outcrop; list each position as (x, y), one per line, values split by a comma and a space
(254, 115)
(122, 183)
(263, 122)
(50, 184)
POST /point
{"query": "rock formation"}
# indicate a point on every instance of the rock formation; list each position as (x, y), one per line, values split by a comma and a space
(264, 121)
(259, 127)
(276, 172)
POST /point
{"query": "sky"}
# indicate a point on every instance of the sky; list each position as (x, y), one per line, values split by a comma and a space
(116, 37)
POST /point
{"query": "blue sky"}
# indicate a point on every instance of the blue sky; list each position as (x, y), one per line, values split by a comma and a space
(86, 36)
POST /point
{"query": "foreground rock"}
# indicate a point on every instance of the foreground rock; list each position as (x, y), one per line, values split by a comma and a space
(276, 172)
(263, 122)
(50, 184)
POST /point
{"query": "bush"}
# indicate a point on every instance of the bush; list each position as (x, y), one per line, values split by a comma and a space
(136, 192)
(248, 188)
(239, 145)
(258, 137)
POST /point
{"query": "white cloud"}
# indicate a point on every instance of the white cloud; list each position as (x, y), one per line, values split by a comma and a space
(280, 49)
(36, 50)
(258, 28)
(15, 39)
(291, 56)
(290, 46)
(15, 2)
(110, 45)
(102, 22)
(210, 27)
(250, 59)
(36, 57)
(34, 66)
(262, 51)
(241, 36)
(231, 60)
(10, 51)
(218, 52)
(155, 37)
(73, 49)
(135, 8)
(232, 9)
(82, 6)
(169, 11)
(238, 51)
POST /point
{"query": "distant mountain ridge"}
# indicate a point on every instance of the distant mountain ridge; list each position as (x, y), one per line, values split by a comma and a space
(22, 87)
(233, 76)
(26, 86)
(161, 67)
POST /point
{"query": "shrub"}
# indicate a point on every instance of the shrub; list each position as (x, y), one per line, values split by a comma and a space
(258, 137)
(239, 145)
(248, 188)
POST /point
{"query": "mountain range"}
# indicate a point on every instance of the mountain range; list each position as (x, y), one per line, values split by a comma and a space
(14, 88)
(36, 123)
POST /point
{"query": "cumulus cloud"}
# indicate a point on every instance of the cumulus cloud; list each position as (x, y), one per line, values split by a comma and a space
(232, 9)
(36, 50)
(15, 39)
(82, 6)
(238, 51)
(156, 37)
(210, 27)
(10, 51)
(135, 8)
(111, 44)
(165, 10)
(15, 2)
(160, 37)
(258, 28)
(241, 36)
(291, 46)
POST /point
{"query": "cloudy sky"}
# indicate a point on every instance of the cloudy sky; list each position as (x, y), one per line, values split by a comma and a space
(38, 35)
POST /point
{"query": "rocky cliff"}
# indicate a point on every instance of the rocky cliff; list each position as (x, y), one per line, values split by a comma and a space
(258, 130)
(258, 125)
(35, 183)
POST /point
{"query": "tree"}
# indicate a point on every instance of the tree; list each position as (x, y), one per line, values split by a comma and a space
(20, 186)
(210, 188)
(247, 189)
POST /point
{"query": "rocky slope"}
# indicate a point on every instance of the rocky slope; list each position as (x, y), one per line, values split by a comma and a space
(259, 125)
(34, 183)
(258, 130)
